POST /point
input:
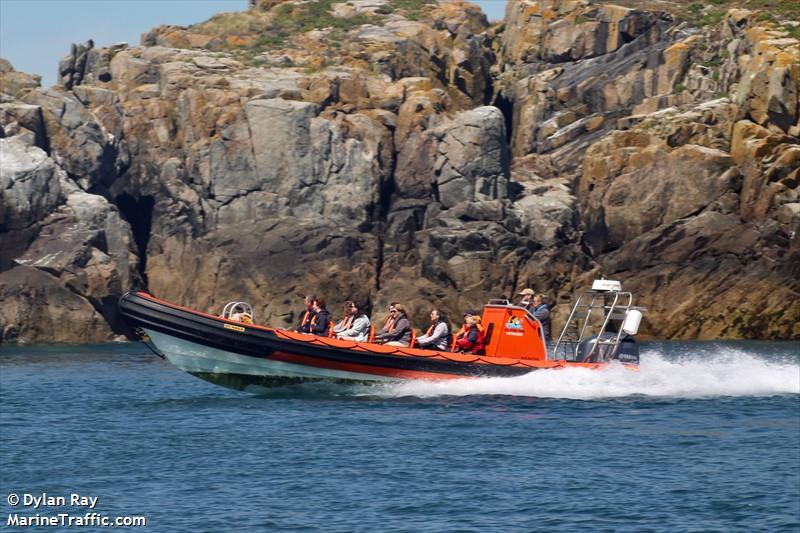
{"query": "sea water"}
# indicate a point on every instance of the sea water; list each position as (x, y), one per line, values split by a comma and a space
(705, 437)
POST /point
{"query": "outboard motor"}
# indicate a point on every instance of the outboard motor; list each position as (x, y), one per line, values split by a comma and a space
(625, 351)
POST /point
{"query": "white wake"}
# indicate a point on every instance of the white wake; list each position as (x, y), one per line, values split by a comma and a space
(730, 372)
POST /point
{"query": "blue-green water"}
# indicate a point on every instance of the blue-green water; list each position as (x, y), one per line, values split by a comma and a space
(706, 437)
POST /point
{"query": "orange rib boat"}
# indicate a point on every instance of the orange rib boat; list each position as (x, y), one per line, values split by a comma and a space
(241, 356)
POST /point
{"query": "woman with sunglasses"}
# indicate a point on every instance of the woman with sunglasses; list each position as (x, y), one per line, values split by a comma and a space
(397, 331)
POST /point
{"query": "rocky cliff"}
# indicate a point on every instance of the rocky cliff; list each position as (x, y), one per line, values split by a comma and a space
(407, 150)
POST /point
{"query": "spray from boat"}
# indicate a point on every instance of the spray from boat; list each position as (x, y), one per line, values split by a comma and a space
(728, 372)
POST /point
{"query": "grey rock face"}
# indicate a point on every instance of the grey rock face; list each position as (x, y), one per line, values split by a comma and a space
(30, 185)
(77, 140)
(472, 160)
(65, 255)
(25, 122)
(37, 306)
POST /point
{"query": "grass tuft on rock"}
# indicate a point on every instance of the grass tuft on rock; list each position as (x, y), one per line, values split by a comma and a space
(300, 18)
(411, 9)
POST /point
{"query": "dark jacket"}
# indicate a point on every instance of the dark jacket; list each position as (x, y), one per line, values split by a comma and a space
(542, 314)
(321, 322)
(401, 332)
(306, 321)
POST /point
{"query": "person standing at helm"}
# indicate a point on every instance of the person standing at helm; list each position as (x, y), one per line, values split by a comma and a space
(527, 298)
(541, 311)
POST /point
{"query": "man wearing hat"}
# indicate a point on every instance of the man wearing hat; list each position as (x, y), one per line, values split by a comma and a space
(527, 299)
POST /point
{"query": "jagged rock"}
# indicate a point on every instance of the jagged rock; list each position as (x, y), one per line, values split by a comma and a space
(89, 248)
(627, 189)
(24, 122)
(77, 140)
(770, 164)
(769, 85)
(38, 307)
(721, 282)
(30, 185)
(564, 100)
(48, 224)
(557, 32)
(72, 68)
(16, 84)
(546, 205)
(472, 159)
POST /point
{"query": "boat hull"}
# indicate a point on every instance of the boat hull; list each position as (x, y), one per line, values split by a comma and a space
(242, 371)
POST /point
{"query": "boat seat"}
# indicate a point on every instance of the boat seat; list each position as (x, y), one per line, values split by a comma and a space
(238, 311)
(413, 338)
(488, 335)
(371, 333)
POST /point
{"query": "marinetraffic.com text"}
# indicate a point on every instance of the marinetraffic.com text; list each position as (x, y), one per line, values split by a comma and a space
(71, 510)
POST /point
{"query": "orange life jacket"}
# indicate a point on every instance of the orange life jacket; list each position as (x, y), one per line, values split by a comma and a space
(346, 323)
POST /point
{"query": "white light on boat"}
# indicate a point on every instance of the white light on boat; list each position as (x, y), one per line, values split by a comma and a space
(632, 320)
(606, 285)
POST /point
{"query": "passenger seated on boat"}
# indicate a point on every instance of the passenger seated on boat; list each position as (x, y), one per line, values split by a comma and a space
(438, 335)
(347, 319)
(471, 340)
(320, 324)
(390, 320)
(399, 333)
(527, 299)
(541, 311)
(307, 315)
(464, 327)
(359, 328)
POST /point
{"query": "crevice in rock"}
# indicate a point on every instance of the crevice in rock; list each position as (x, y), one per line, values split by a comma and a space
(506, 107)
(380, 212)
(435, 193)
(138, 212)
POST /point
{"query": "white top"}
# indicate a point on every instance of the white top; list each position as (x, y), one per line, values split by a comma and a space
(606, 285)
(438, 337)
